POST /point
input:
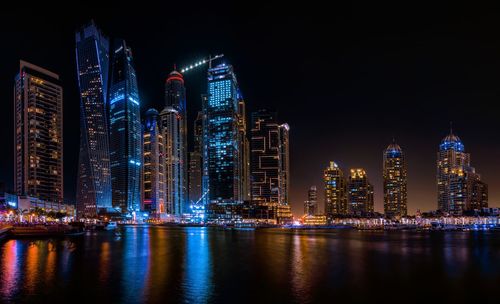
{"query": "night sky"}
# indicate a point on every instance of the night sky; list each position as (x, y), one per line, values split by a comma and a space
(347, 79)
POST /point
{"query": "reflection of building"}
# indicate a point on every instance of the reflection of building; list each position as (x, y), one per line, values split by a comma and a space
(459, 187)
(38, 130)
(94, 175)
(125, 131)
(311, 205)
(174, 122)
(394, 173)
(335, 191)
(221, 138)
(153, 179)
(360, 193)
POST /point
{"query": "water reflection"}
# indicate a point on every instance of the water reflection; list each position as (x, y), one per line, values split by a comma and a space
(198, 264)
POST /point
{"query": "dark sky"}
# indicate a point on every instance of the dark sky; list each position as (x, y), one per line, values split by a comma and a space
(346, 78)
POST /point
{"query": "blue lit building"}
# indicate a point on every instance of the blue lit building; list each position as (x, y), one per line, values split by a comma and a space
(94, 174)
(221, 139)
(125, 131)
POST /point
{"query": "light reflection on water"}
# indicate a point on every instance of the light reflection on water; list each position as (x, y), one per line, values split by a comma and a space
(204, 265)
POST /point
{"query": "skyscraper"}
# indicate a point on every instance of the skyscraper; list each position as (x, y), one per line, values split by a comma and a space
(154, 188)
(175, 99)
(222, 163)
(394, 174)
(459, 186)
(265, 155)
(38, 130)
(284, 164)
(335, 191)
(360, 193)
(311, 205)
(244, 149)
(195, 161)
(125, 131)
(94, 174)
(171, 126)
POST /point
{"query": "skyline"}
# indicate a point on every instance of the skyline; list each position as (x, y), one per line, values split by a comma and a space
(340, 146)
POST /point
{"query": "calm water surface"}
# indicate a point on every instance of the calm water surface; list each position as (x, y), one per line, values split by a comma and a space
(204, 265)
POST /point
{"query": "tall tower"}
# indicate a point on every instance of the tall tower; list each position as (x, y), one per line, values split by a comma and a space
(360, 193)
(459, 186)
(284, 164)
(394, 174)
(153, 166)
(311, 205)
(335, 191)
(195, 161)
(38, 133)
(176, 139)
(125, 131)
(265, 155)
(222, 158)
(94, 173)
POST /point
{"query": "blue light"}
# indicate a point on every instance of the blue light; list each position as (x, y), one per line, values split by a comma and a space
(133, 100)
(117, 98)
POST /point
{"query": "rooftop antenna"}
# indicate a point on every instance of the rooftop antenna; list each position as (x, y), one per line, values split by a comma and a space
(451, 127)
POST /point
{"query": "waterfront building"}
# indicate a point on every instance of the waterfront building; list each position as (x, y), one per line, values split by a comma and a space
(360, 193)
(125, 131)
(315, 220)
(38, 133)
(335, 191)
(284, 164)
(459, 186)
(394, 174)
(221, 139)
(311, 205)
(195, 161)
(94, 173)
(153, 180)
(174, 120)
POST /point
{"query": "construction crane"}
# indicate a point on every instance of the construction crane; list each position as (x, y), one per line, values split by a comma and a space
(202, 62)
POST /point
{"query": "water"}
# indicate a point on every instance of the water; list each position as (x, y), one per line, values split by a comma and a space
(204, 265)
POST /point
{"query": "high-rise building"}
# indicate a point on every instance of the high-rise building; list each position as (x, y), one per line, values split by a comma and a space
(265, 156)
(360, 193)
(459, 186)
(94, 173)
(394, 174)
(335, 191)
(176, 136)
(284, 164)
(311, 205)
(125, 131)
(244, 149)
(38, 130)
(195, 161)
(222, 158)
(154, 188)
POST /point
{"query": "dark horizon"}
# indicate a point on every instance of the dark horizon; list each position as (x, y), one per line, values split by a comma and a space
(346, 83)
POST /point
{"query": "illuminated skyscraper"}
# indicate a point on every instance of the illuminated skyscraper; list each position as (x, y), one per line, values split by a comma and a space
(394, 174)
(153, 166)
(38, 130)
(360, 193)
(459, 186)
(175, 99)
(222, 157)
(311, 205)
(244, 149)
(335, 191)
(265, 154)
(94, 175)
(195, 161)
(125, 131)
(284, 164)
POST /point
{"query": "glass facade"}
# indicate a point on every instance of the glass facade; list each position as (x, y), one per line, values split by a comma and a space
(360, 193)
(335, 191)
(125, 131)
(94, 175)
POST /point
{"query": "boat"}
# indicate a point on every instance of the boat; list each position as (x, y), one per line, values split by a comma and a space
(240, 226)
(111, 226)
